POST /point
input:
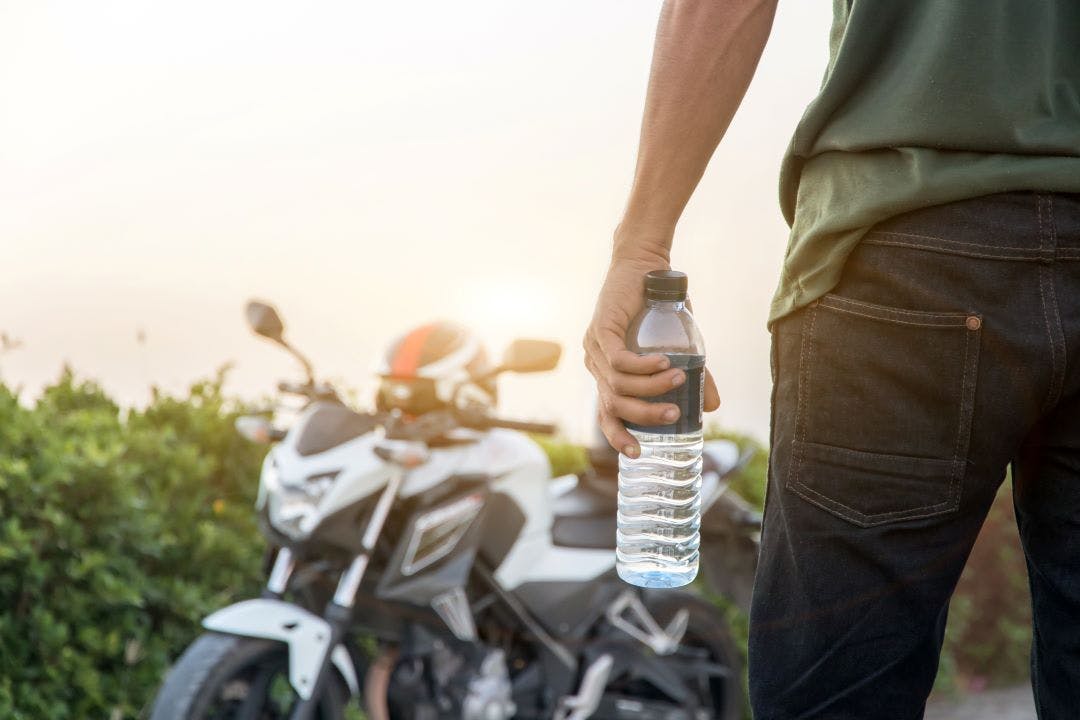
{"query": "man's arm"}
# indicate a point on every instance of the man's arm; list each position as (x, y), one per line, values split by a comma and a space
(703, 59)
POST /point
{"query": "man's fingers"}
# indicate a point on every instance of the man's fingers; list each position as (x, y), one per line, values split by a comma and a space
(617, 436)
(645, 386)
(619, 358)
(640, 412)
(712, 395)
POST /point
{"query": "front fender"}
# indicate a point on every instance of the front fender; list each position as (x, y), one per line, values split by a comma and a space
(306, 634)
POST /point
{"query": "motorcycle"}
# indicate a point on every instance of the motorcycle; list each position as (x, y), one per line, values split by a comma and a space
(431, 567)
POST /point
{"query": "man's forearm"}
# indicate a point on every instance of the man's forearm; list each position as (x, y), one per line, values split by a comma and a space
(704, 57)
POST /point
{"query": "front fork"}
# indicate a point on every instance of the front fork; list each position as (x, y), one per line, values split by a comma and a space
(338, 611)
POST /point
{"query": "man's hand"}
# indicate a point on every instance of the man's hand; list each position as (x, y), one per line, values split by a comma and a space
(623, 377)
(705, 54)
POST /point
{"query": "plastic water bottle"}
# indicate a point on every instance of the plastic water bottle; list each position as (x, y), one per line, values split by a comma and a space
(660, 491)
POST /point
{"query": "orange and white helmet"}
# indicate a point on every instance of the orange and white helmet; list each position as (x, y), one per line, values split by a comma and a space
(422, 368)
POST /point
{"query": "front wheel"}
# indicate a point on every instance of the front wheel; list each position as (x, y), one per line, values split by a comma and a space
(225, 677)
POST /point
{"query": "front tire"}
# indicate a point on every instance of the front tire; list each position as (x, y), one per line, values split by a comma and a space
(221, 677)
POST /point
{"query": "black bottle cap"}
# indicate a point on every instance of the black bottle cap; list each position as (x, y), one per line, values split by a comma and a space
(669, 285)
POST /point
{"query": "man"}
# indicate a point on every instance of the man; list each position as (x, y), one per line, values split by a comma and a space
(926, 330)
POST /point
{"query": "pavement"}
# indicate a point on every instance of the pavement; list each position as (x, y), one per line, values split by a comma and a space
(1004, 704)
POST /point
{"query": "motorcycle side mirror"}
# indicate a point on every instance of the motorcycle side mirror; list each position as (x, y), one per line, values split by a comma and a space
(265, 321)
(527, 356)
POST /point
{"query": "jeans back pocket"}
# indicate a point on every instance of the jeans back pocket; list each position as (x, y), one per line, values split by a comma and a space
(884, 410)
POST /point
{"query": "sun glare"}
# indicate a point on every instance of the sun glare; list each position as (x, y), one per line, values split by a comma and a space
(506, 308)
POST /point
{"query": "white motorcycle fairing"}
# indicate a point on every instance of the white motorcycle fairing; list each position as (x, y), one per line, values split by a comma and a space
(306, 634)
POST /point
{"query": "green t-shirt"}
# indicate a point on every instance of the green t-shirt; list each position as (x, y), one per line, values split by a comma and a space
(925, 102)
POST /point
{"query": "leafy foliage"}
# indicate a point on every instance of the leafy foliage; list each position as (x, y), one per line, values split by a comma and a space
(117, 535)
(750, 481)
(565, 458)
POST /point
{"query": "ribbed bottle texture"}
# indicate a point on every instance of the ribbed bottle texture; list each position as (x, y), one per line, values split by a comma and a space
(659, 511)
(660, 490)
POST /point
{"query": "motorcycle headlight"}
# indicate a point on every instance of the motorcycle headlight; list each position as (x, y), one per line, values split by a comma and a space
(293, 508)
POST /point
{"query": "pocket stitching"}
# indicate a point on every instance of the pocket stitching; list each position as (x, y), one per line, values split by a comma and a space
(884, 314)
(868, 519)
(875, 518)
(862, 519)
(952, 501)
(804, 381)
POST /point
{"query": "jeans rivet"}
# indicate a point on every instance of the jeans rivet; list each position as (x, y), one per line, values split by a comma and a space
(973, 322)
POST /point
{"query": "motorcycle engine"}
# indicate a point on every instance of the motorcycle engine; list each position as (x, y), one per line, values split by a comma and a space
(489, 693)
(468, 683)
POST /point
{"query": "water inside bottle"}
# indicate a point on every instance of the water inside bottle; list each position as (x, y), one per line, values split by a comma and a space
(659, 514)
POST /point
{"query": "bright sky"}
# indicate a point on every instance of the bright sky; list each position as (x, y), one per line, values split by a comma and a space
(367, 167)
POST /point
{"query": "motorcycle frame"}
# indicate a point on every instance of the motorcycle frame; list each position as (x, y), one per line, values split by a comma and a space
(314, 643)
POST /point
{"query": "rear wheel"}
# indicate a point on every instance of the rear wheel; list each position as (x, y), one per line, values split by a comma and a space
(225, 677)
(707, 661)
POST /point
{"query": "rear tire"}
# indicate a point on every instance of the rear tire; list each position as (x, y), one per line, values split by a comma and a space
(706, 643)
(212, 669)
(707, 629)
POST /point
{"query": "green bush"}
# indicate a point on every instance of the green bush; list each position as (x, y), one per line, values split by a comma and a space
(750, 481)
(565, 458)
(117, 534)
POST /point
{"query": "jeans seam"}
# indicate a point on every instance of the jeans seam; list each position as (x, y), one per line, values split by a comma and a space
(967, 410)
(963, 389)
(890, 233)
(1031, 257)
(957, 247)
(944, 320)
(800, 400)
(1047, 245)
(770, 469)
(1060, 379)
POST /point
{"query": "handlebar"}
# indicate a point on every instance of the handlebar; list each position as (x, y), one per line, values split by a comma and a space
(479, 420)
(433, 425)
(523, 426)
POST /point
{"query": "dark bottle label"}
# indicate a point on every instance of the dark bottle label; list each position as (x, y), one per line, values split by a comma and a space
(690, 397)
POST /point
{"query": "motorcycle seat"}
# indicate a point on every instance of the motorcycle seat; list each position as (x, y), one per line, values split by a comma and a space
(585, 516)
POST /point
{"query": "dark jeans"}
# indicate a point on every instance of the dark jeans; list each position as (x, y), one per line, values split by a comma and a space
(950, 348)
